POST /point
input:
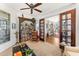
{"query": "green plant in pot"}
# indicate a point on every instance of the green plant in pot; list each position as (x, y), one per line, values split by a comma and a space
(29, 52)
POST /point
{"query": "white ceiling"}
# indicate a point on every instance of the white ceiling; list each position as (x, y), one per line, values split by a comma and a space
(45, 7)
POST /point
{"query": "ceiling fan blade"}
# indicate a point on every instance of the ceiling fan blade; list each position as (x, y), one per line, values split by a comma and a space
(38, 10)
(28, 5)
(31, 11)
(24, 8)
(37, 4)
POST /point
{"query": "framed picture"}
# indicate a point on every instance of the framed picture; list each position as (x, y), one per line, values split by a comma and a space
(4, 27)
(13, 26)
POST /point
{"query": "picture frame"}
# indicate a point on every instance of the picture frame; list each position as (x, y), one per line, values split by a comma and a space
(4, 27)
(13, 26)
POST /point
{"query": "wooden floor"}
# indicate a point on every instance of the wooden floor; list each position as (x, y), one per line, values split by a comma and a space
(7, 52)
(41, 48)
(52, 40)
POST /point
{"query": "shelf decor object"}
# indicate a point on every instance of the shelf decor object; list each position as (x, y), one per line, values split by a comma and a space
(67, 27)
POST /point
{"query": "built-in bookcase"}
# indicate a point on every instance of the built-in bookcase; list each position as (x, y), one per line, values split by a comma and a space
(67, 27)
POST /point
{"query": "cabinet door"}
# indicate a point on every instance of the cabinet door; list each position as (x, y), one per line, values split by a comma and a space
(67, 27)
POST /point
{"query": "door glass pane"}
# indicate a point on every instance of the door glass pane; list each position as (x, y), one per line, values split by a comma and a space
(69, 22)
(69, 33)
(63, 39)
(63, 17)
(69, 44)
(69, 16)
(69, 39)
(69, 27)
(63, 25)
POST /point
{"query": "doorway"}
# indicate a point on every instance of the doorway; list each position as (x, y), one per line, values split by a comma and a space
(52, 30)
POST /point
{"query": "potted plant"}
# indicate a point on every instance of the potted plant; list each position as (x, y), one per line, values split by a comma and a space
(29, 52)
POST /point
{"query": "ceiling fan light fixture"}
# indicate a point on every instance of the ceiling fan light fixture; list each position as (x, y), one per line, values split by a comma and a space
(32, 7)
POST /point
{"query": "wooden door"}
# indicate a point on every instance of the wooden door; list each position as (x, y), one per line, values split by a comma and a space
(68, 27)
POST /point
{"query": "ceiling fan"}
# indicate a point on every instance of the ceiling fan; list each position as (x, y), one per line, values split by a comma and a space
(32, 7)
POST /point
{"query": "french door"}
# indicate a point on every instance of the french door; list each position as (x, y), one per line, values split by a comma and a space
(42, 29)
(68, 27)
